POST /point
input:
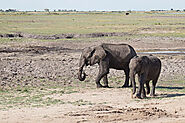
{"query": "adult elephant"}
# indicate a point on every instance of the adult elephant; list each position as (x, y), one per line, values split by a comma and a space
(148, 68)
(116, 56)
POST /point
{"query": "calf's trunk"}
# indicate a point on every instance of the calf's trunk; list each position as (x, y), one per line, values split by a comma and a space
(132, 78)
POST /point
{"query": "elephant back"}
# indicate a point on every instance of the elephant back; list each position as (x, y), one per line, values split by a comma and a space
(122, 52)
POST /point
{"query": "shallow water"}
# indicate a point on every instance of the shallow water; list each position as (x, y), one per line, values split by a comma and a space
(180, 13)
(180, 51)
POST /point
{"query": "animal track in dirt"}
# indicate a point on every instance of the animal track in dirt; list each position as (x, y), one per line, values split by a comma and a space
(111, 114)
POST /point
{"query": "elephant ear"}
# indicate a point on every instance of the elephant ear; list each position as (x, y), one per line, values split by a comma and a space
(145, 60)
(87, 52)
(144, 63)
(100, 52)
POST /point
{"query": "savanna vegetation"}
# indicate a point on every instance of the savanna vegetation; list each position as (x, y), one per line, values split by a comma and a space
(40, 73)
(167, 23)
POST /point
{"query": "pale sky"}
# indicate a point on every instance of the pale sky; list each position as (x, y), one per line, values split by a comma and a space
(86, 5)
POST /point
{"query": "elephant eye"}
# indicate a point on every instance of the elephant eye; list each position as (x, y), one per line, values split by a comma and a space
(96, 57)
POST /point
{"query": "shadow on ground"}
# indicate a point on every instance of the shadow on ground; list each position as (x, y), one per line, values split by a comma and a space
(172, 91)
(164, 87)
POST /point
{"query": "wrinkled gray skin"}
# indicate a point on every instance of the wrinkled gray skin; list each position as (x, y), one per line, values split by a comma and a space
(148, 68)
(116, 56)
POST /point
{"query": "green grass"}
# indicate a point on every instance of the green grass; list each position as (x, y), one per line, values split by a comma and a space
(32, 96)
(116, 81)
(172, 86)
(48, 94)
(43, 95)
(28, 96)
(81, 102)
(6, 40)
(80, 23)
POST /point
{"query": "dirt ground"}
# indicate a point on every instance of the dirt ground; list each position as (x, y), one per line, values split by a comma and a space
(27, 63)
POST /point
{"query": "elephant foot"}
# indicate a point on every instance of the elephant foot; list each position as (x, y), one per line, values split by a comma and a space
(138, 96)
(125, 86)
(143, 96)
(106, 86)
(153, 95)
(99, 86)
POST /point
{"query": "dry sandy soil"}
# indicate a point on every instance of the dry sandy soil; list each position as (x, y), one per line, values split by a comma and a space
(25, 63)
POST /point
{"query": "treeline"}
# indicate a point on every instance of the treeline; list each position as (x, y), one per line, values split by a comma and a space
(8, 10)
(46, 10)
(74, 10)
(168, 10)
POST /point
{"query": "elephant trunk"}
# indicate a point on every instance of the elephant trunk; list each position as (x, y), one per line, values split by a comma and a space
(132, 78)
(81, 75)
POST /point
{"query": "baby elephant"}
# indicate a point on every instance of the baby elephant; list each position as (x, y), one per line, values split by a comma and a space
(148, 68)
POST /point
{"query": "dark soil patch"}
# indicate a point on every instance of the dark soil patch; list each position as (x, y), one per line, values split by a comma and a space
(63, 36)
(37, 49)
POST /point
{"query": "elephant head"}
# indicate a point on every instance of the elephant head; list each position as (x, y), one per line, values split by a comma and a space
(138, 65)
(90, 56)
(133, 67)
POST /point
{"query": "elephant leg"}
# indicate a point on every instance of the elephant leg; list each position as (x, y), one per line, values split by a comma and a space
(140, 86)
(143, 94)
(126, 84)
(153, 87)
(103, 71)
(105, 80)
(147, 87)
(138, 95)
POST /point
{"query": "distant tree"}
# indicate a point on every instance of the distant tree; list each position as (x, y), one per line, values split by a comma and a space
(1, 10)
(129, 11)
(11, 10)
(46, 10)
(171, 9)
(184, 10)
